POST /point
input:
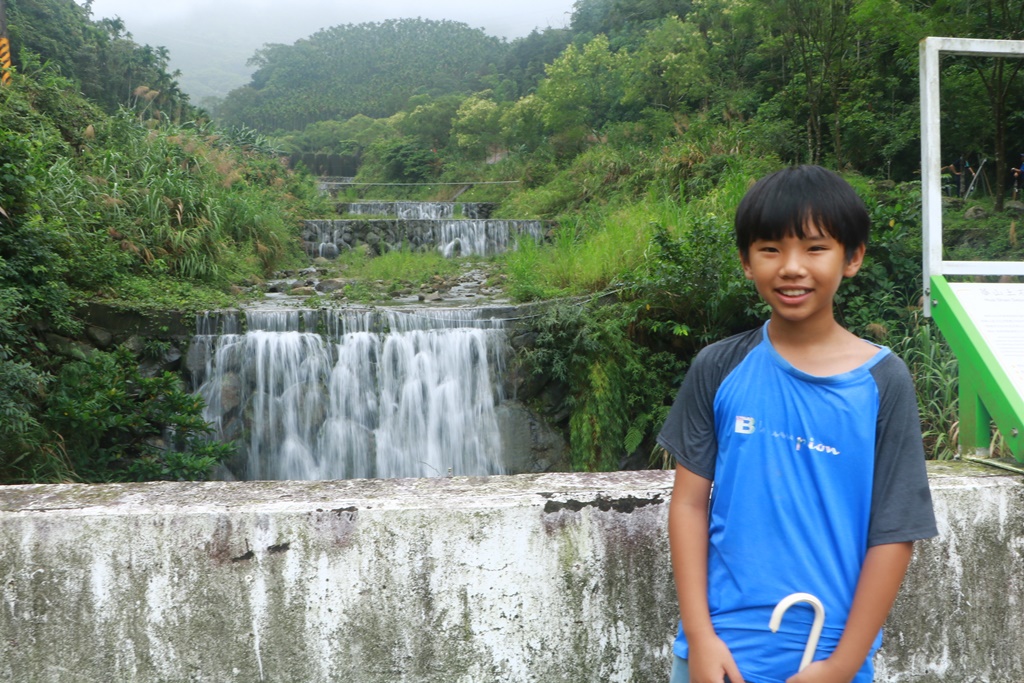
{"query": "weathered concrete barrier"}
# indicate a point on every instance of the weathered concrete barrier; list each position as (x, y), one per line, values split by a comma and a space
(554, 577)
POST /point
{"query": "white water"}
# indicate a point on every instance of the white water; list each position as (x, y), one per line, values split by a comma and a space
(482, 237)
(387, 394)
(453, 237)
(404, 210)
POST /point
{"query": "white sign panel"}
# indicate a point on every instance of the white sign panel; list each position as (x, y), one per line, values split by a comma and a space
(997, 310)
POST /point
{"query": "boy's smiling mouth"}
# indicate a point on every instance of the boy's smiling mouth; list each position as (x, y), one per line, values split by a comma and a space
(793, 292)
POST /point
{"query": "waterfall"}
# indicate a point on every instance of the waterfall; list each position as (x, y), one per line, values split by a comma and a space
(354, 394)
(404, 210)
(482, 237)
(433, 211)
(453, 237)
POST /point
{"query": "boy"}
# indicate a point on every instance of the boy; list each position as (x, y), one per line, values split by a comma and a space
(812, 440)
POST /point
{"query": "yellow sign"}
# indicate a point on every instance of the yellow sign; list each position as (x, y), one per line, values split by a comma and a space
(5, 60)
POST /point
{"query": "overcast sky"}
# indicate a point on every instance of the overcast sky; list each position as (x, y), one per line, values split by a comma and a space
(225, 33)
(297, 18)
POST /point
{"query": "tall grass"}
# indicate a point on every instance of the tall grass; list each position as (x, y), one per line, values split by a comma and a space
(935, 370)
(402, 265)
(592, 252)
(599, 248)
(182, 203)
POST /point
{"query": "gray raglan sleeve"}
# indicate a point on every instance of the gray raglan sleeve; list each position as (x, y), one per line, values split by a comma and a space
(901, 503)
(689, 432)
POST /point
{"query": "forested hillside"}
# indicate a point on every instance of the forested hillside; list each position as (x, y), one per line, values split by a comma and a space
(99, 57)
(368, 69)
(831, 82)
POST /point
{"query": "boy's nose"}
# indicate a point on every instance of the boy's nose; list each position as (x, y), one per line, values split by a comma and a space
(792, 264)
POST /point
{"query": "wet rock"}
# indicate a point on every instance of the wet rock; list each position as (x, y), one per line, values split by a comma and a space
(529, 444)
(302, 291)
(69, 348)
(99, 336)
(230, 392)
(135, 344)
(331, 285)
(168, 361)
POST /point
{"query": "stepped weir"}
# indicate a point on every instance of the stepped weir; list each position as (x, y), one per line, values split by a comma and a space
(453, 228)
(452, 237)
(341, 394)
(372, 393)
(418, 210)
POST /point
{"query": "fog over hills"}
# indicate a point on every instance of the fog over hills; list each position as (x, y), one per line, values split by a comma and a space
(211, 42)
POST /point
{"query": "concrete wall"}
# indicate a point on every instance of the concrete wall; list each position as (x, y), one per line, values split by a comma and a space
(554, 577)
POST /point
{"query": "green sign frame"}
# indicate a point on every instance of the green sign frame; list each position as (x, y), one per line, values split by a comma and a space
(986, 391)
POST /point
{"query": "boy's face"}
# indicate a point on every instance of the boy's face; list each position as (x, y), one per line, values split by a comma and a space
(798, 276)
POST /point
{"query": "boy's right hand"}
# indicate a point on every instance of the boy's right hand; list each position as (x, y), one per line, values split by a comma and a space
(711, 662)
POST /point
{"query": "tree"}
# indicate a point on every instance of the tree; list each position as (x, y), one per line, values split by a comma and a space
(528, 56)
(582, 91)
(819, 40)
(430, 119)
(999, 19)
(476, 127)
(671, 70)
(100, 57)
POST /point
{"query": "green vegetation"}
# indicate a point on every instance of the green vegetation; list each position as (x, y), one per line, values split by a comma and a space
(635, 132)
(120, 204)
(100, 57)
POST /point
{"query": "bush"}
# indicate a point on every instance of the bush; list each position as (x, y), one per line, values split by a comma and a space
(618, 390)
(117, 425)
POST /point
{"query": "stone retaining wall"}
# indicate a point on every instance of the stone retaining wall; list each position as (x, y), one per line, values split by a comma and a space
(541, 578)
(329, 237)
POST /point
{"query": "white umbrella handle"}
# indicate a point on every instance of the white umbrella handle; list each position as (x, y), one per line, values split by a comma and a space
(819, 622)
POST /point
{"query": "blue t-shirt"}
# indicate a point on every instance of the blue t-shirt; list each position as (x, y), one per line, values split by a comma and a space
(808, 472)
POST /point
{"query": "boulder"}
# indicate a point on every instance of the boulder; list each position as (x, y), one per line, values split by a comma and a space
(99, 336)
(331, 285)
(69, 348)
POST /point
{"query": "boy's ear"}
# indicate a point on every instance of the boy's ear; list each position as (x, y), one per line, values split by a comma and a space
(745, 262)
(855, 262)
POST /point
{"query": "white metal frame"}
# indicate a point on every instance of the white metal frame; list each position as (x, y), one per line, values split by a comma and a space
(931, 158)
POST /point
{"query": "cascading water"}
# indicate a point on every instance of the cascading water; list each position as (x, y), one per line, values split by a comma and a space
(340, 395)
(433, 211)
(453, 237)
(404, 210)
(482, 237)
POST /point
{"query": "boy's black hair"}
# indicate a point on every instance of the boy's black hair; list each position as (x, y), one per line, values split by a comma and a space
(784, 202)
